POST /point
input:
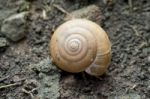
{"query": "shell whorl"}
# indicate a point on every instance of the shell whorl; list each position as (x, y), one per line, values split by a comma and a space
(75, 45)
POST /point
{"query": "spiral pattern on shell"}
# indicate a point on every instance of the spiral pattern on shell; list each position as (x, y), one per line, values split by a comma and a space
(75, 44)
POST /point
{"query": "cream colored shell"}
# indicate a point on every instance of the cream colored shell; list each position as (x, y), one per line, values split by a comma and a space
(81, 45)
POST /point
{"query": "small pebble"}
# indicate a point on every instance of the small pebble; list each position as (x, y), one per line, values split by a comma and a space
(3, 44)
(14, 27)
(91, 12)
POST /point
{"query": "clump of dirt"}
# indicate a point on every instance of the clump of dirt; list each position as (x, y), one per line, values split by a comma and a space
(128, 27)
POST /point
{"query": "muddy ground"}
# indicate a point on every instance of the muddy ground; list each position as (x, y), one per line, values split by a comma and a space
(26, 71)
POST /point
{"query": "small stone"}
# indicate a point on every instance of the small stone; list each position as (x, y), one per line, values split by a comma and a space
(10, 7)
(91, 12)
(16, 78)
(14, 26)
(3, 44)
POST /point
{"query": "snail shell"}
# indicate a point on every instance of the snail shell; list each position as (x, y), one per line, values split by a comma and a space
(81, 45)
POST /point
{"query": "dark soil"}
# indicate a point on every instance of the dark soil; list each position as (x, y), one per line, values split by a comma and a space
(128, 28)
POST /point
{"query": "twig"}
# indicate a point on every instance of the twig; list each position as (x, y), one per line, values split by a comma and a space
(44, 15)
(14, 84)
(9, 85)
(135, 30)
(143, 44)
(128, 89)
(60, 9)
(2, 79)
(130, 4)
(28, 92)
(133, 87)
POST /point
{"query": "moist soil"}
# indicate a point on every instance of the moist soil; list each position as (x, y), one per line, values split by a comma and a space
(128, 28)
